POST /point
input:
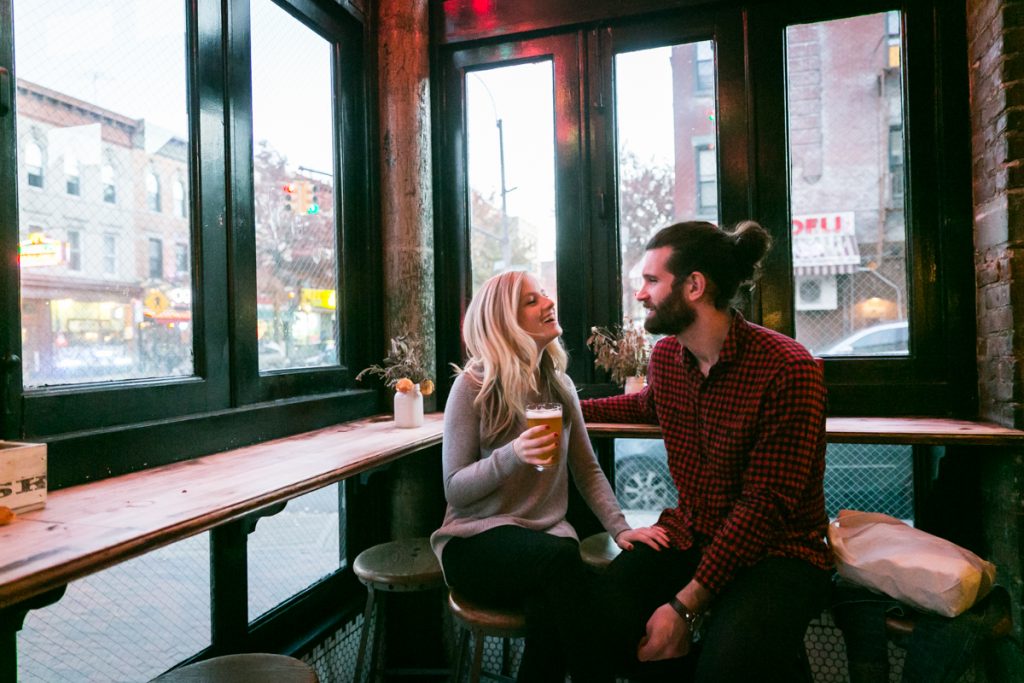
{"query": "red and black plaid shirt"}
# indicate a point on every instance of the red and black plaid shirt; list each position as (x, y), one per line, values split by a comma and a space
(746, 448)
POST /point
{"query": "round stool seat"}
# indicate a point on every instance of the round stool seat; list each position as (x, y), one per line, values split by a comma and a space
(404, 565)
(491, 621)
(243, 668)
(598, 550)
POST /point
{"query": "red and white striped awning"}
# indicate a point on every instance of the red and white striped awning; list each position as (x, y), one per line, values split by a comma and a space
(825, 244)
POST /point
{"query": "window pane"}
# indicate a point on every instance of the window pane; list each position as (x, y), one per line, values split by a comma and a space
(293, 165)
(667, 148)
(846, 150)
(511, 159)
(295, 548)
(101, 104)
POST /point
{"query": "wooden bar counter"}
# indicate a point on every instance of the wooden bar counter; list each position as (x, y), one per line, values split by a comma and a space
(86, 528)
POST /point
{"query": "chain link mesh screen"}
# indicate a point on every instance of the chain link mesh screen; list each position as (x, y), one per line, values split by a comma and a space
(295, 548)
(126, 624)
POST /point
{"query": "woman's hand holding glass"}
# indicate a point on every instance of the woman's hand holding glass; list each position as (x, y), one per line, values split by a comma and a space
(534, 446)
(654, 536)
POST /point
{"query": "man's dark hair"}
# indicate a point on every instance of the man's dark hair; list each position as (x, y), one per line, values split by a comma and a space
(726, 259)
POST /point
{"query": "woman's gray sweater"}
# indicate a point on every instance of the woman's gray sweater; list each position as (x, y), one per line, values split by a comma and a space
(489, 486)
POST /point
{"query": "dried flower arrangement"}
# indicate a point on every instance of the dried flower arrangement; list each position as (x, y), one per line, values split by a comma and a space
(621, 350)
(403, 368)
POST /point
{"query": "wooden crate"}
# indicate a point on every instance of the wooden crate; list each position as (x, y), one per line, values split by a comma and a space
(22, 475)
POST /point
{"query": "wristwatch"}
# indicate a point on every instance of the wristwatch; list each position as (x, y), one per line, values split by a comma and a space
(692, 619)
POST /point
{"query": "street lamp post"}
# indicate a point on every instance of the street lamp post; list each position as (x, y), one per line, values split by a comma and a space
(506, 242)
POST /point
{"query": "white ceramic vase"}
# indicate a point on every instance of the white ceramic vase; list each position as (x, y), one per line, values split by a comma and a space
(635, 384)
(409, 408)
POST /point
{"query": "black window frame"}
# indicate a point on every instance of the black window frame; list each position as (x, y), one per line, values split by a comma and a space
(939, 376)
(103, 429)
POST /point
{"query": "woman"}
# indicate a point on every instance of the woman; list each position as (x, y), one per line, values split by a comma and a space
(505, 539)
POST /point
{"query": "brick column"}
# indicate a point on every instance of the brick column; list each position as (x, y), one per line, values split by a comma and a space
(995, 33)
(407, 215)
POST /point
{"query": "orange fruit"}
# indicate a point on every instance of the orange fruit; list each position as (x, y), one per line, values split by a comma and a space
(6, 516)
(404, 385)
(426, 387)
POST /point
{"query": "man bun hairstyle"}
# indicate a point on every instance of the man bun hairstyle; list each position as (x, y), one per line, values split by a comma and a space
(726, 259)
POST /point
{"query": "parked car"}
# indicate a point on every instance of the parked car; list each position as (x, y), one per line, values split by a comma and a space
(885, 339)
(870, 477)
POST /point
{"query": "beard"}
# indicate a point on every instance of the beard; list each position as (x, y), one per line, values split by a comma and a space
(672, 316)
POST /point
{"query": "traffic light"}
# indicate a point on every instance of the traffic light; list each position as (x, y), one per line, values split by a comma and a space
(291, 199)
(307, 198)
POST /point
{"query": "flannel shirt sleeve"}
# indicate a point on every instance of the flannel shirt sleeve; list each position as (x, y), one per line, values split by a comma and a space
(788, 449)
(628, 408)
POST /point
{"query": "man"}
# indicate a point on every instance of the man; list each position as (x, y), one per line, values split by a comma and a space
(742, 412)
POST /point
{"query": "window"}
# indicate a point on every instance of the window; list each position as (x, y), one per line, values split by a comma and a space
(72, 173)
(296, 250)
(153, 199)
(667, 167)
(896, 166)
(838, 232)
(662, 134)
(181, 255)
(707, 181)
(109, 184)
(34, 163)
(179, 198)
(109, 254)
(74, 257)
(156, 258)
(510, 152)
(704, 64)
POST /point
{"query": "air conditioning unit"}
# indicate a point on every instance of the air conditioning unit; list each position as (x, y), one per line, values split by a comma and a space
(816, 293)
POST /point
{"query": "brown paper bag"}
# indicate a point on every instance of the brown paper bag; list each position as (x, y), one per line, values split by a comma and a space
(922, 570)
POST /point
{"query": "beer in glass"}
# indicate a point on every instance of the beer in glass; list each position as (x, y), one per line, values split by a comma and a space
(550, 415)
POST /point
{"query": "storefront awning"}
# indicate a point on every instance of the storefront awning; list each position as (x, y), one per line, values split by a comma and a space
(825, 244)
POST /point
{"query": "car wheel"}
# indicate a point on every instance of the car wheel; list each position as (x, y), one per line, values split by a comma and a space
(644, 484)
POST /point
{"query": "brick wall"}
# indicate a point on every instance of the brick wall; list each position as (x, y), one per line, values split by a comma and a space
(995, 33)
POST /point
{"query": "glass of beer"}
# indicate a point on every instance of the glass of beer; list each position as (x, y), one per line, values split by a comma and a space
(549, 415)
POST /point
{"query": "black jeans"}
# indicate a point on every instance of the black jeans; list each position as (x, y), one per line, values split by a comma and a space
(509, 566)
(754, 631)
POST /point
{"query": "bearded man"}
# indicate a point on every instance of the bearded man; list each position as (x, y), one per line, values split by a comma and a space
(742, 412)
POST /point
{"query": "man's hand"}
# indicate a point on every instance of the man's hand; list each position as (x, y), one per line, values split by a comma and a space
(668, 636)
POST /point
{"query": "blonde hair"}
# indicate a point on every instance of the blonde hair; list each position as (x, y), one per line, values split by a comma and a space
(503, 357)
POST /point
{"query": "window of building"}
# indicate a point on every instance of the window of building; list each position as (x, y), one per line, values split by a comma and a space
(707, 181)
(704, 65)
(72, 173)
(156, 258)
(181, 258)
(179, 198)
(109, 254)
(74, 257)
(153, 198)
(896, 169)
(109, 184)
(34, 163)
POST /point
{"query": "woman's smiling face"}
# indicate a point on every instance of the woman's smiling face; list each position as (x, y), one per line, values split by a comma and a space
(536, 314)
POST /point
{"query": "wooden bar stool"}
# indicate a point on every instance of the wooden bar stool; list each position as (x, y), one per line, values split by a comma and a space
(481, 621)
(243, 668)
(402, 566)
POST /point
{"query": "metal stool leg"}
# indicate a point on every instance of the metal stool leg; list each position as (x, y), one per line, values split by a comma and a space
(364, 634)
(506, 656)
(463, 653)
(380, 616)
(478, 657)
